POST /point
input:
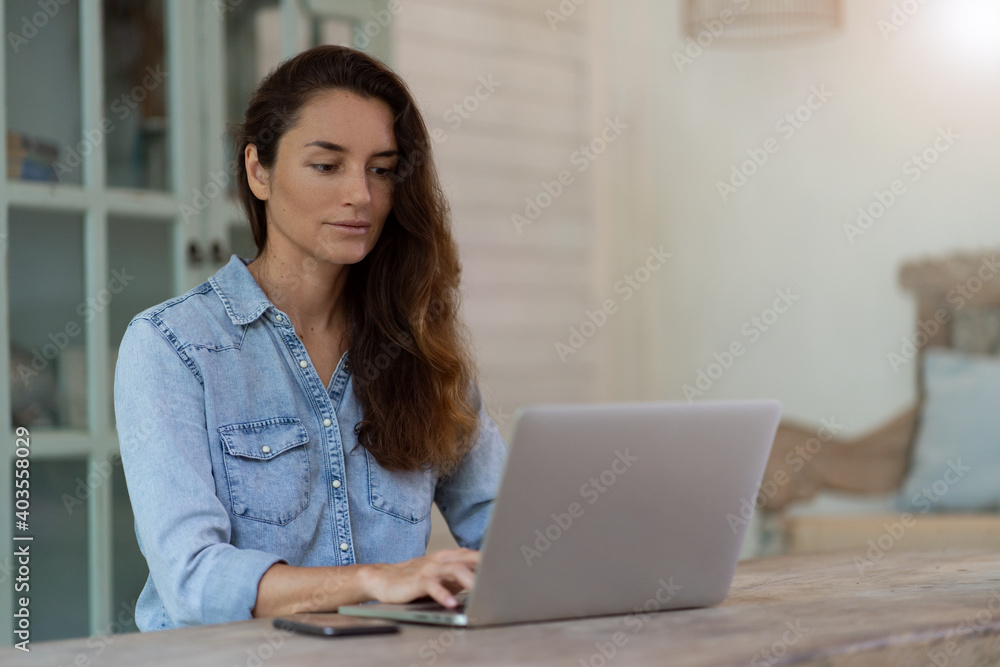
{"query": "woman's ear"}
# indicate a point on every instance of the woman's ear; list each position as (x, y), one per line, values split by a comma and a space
(256, 174)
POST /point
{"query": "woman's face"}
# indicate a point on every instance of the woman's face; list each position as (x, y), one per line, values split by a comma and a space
(329, 191)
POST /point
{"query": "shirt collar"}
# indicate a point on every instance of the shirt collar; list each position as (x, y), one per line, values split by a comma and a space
(243, 298)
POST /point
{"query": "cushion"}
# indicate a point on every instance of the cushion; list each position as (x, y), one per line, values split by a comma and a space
(956, 456)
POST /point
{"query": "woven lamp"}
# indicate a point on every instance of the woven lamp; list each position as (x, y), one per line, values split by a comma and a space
(750, 21)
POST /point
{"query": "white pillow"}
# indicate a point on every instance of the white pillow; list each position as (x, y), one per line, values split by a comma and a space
(956, 457)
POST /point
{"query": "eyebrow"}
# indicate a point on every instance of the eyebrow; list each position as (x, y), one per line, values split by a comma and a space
(340, 149)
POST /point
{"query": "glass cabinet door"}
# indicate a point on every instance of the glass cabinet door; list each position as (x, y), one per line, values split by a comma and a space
(48, 313)
(43, 91)
(91, 234)
(135, 95)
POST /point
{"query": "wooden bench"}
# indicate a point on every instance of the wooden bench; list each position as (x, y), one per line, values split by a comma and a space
(808, 459)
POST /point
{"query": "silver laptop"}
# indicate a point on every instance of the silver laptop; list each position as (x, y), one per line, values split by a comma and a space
(613, 509)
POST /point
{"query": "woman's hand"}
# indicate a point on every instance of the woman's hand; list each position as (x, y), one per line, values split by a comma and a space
(439, 575)
(287, 589)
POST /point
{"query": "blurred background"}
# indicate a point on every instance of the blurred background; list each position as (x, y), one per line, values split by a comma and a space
(671, 200)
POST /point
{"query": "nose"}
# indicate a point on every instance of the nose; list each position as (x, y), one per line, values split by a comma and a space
(356, 188)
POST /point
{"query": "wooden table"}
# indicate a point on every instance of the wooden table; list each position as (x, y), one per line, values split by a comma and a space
(934, 608)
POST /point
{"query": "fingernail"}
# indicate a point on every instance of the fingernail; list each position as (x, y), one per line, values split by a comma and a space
(452, 602)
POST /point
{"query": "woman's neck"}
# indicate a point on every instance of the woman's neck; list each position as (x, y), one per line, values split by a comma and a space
(309, 291)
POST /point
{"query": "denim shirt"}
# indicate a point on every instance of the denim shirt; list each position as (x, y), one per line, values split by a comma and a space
(238, 456)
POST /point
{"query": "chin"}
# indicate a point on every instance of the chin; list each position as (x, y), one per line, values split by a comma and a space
(348, 255)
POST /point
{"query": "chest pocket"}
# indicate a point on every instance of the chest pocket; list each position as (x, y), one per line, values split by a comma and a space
(267, 468)
(406, 495)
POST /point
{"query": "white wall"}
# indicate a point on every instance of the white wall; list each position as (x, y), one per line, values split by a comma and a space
(522, 289)
(826, 356)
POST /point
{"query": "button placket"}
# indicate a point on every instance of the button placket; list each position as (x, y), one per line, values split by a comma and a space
(341, 513)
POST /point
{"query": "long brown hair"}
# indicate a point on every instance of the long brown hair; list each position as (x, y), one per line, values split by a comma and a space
(411, 367)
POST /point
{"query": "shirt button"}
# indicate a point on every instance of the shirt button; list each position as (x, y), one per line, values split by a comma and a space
(327, 422)
(336, 483)
(265, 449)
(279, 318)
(303, 363)
(343, 546)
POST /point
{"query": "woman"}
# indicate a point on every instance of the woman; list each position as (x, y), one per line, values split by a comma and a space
(286, 426)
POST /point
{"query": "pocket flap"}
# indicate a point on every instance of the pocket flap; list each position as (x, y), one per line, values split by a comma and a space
(276, 435)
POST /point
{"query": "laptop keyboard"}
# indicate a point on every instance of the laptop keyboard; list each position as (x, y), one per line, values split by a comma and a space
(433, 605)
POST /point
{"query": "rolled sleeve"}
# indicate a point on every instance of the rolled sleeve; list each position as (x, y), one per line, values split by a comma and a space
(230, 591)
(183, 528)
(466, 498)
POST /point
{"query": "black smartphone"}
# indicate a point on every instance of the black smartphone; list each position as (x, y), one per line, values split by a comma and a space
(335, 625)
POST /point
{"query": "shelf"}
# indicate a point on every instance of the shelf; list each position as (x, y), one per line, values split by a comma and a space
(63, 197)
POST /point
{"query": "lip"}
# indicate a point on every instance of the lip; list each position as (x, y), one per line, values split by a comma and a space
(350, 226)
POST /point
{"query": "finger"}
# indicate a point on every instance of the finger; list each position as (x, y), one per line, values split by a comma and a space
(453, 586)
(441, 594)
(456, 555)
(459, 574)
(457, 550)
